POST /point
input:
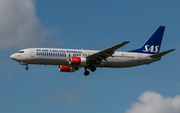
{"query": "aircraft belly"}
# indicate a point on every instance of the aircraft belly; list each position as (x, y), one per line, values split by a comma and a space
(119, 63)
(48, 61)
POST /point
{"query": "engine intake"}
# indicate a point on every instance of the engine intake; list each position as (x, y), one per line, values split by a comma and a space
(77, 61)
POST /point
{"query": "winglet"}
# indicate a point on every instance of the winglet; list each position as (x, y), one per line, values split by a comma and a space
(161, 54)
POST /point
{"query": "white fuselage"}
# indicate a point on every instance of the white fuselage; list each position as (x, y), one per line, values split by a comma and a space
(69, 60)
(54, 56)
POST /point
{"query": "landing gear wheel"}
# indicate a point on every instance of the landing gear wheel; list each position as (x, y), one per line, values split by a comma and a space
(86, 73)
(93, 69)
(27, 68)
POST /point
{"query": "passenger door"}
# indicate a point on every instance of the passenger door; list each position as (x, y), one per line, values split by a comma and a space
(32, 52)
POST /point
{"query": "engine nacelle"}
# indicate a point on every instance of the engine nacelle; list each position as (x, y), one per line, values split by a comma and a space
(64, 68)
(77, 61)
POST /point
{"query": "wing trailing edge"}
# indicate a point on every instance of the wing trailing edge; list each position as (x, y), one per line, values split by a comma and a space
(106, 52)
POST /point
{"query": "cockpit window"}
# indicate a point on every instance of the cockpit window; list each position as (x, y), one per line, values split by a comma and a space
(20, 51)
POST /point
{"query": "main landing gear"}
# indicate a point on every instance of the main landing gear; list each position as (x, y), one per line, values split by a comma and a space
(93, 69)
(86, 73)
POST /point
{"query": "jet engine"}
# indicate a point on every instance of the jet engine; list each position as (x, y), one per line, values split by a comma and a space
(77, 61)
(64, 68)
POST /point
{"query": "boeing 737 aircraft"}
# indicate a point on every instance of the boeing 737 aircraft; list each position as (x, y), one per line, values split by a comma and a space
(70, 60)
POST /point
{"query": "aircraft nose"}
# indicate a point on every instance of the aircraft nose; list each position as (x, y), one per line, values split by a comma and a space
(13, 56)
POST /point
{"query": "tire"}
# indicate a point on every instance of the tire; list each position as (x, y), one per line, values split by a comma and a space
(93, 69)
(86, 73)
(27, 68)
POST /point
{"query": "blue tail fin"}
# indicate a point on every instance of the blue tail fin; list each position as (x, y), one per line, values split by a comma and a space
(153, 44)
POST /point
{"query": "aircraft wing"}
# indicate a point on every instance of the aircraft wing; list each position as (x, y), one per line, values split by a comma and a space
(102, 55)
(161, 54)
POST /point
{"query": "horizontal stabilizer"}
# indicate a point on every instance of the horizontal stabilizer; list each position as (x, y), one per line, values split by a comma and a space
(161, 54)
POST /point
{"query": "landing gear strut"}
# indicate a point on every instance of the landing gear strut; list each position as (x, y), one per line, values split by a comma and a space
(26, 67)
(22, 63)
(86, 73)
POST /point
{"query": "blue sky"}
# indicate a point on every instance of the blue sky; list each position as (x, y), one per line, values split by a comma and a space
(89, 25)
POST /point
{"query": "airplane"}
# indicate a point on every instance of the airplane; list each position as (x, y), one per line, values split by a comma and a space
(70, 60)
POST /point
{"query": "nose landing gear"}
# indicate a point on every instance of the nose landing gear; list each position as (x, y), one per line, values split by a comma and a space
(22, 63)
(27, 68)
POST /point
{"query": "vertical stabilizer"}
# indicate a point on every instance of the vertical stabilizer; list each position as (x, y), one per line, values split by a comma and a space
(153, 44)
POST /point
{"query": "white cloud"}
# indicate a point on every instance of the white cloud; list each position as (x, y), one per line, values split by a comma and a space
(19, 26)
(74, 94)
(69, 96)
(152, 102)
